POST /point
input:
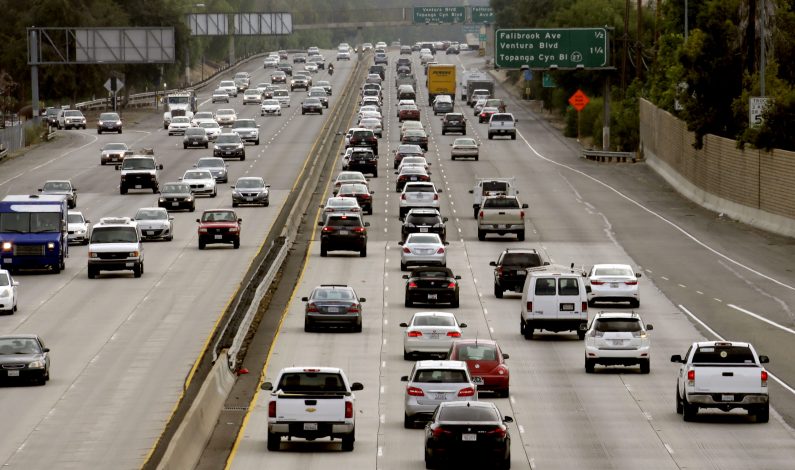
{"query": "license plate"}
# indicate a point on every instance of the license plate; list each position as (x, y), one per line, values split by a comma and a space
(567, 307)
(218, 237)
(227, 153)
(174, 204)
(521, 272)
(727, 397)
(150, 232)
(333, 309)
(310, 426)
(130, 265)
(137, 186)
(439, 396)
(423, 229)
(413, 178)
(13, 373)
(434, 335)
(501, 226)
(477, 380)
(618, 342)
(249, 199)
(614, 284)
(469, 437)
(343, 232)
(432, 296)
(7, 260)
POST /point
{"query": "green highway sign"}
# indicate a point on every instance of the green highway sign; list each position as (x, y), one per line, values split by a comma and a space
(482, 37)
(449, 15)
(482, 15)
(471, 28)
(560, 48)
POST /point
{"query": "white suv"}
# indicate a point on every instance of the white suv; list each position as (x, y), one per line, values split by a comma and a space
(115, 245)
(419, 195)
(434, 382)
(618, 338)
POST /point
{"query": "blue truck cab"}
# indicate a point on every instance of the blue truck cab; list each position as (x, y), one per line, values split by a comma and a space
(33, 232)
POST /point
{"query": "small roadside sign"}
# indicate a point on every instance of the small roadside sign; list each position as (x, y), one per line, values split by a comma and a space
(548, 81)
(114, 84)
(756, 108)
(579, 100)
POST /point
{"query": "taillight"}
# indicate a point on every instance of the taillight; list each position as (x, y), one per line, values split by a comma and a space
(691, 376)
(631, 283)
(414, 334)
(453, 334)
(403, 196)
(439, 432)
(415, 391)
(328, 229)
(412, 285)
(597, 283)
(521, 214)
(480, 214)
(311, 308)
(452, 285)
(498, 269)
(272, 409)
(359, 229)
(497, 432)
(353, 309)
(348, 410)
(529, 306)
(435, 197)
(406, 250)
(584, 307)
(764, 378)
(466, 392)
(440, 251)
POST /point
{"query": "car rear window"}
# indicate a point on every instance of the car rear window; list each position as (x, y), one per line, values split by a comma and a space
(423, 219)
(612, 272)
(311, 382)
(475, 352)
(529, 260)
(614, 325)
(441, 376)
(469, 413)
(723, 355)
(346, 222)
(502, 117)
(502, 203)
(362, 134)
(495, 186)
(418, 188)
(545, 286)
(568, 286)
(433, 320)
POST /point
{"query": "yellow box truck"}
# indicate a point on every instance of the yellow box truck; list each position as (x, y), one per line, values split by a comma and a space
(441, 81)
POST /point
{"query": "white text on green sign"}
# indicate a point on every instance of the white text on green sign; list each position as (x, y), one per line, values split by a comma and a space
(562, 48)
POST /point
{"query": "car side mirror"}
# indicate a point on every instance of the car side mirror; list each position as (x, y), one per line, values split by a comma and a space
(88, 221)
(506, 356)
(367, 224)
(304, 299)
(764, 359)
(395, 173)
(638, 275)
(546, 263)
(319, 223)
(649, 327)
(405, 276)
(446, 243)
(507, 419)
(444, 219)
(471, 192)
(171, 218)
(588, 289)
(404, 325)
(198, 220)
(372, 192)
(405, 378)
(493, 263)
(676, 358)
(118, 167)
(451, 145)
(15, 283)
(48, 350)
(525, 206)
(356, 386)
(240, 221)
(195, 166)
(457, 277)
(266, 386)
(462, 325)
(160, 166)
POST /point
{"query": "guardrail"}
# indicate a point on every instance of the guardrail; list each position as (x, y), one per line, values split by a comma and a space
(607, 156)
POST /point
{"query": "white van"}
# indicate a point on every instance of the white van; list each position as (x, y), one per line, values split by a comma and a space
(555, 300)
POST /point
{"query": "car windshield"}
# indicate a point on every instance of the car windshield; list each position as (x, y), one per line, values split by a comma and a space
(209, 125)
(180, 120)
(176, 188)
(56, 186)
(197, 175)
(465, 142)
(29, 222)
(108, 117)
(74, 219)
(151, 214)
(441, 376)
(413, 238)
(244, 123)
(114, 235)
(138, 164)
(249, 183)
(270, 103)
(10, 346)
(253, 92)
(73, 113)
(312, 101)
(282, 93)
(433, 320)
(477, 352)
(616, 325)
(210, 163)
(227, 83)
(228, 139)
(115, 147)
(223, 112)
(723, 355)
(203, 115)
(219, 216)
(613, 272)
(468, 414)
(197, 131)
(307, 382)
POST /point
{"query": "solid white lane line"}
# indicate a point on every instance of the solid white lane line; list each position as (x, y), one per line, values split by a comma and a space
(759, 317)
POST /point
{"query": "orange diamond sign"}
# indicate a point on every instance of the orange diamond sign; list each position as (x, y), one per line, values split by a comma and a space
(579, 100)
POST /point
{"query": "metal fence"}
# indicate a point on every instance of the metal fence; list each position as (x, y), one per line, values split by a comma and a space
(13, 137)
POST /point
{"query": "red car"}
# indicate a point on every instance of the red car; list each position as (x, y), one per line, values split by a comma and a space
(362, 194)
(485, 114)
(219, 226)
(486, 364)
(409, 114)
(409, 150)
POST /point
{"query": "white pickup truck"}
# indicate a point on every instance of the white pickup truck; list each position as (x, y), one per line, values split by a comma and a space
(502, 124)
(312, 402)
(491, 187)
(724, 375)
(501, 215)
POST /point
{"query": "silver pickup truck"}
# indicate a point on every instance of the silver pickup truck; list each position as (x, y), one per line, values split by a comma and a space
(502, 124)
(723, 375)
(501, 215)
(312, 402)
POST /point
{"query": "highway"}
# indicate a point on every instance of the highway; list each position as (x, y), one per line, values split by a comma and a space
(123, 348)
(704, 277)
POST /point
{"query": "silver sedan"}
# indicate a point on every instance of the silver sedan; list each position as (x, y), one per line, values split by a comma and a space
(422, 249)
(464, 148)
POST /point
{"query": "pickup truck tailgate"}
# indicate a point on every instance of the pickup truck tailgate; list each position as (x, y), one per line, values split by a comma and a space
(501, 216)
(727, 379)
(305, 407)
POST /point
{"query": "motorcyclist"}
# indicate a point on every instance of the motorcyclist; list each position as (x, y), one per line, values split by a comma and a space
(331, 69)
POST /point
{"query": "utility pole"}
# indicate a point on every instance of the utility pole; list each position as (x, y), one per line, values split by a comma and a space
(639, 46)
(762, 61)
(625, 51)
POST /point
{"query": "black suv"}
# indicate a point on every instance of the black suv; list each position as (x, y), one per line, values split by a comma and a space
(344, 232)
(363, 160)
(454, 122)
(379, 69)
(424, 221)
(286, 68)
(364, 138)
(510, 269)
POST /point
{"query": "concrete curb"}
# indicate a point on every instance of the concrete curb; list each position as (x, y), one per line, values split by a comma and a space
(747, 215)
(193, 433)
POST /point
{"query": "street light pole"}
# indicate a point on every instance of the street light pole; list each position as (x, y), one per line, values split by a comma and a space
(686, 25)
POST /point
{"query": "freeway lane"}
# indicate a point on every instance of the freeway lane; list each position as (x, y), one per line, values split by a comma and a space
(122, 348)
(564, 418)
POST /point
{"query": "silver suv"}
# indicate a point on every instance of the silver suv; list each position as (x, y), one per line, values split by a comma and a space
(433, 382)
(115, 245)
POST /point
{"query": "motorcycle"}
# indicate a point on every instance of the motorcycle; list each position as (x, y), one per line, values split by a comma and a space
(331, 70)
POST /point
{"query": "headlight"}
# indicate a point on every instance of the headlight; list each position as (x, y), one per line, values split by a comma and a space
(51, 246)
(118, 123)
(92, 254)
(162, 199)
(36, 365)
(134, 254)
(7, 246)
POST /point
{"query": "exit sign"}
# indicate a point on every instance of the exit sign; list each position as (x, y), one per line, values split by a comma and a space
(560, 48)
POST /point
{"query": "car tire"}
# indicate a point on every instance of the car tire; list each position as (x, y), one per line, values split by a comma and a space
(592, 303)
(274, 441)
(243, 157)
(363, 252)
(634, 303)
(119, 131)
(122, 190)
(429, 461)
(520, 236)
(762, 414)
(307, 326)
(236, 243)
(452, 157)
(443, 131)
(504, 393)
(645, 366)
(323, 251)
(455, 303)
(215, 193)
(138, 270)
(408, 423)
(406, 355)
(498, 291)
(234, 204)
(99, 131)
(589, 365)
(408, 303)
(202, 244)
(184, 147)
(679, 406)
(193, 207)
(580, 335)
(92, 273)
(403, 266)
(348, 442)
(506, 464)
(481, 235)
(491, 137)
(528, 332)
(513, 136)
(689, 411)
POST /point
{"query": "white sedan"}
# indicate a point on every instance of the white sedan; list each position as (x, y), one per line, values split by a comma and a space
(338, 205)
(430, 333)
(200, 181)
(78, 228)
(178, 125)
(270, 107)
(212, 128)
(464, 148)
(613, 283)
(154, 223)
(8, 292)
(423, 249)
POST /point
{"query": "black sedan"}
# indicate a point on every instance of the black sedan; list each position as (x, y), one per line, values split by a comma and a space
(431, 285)
(333, 305)
(24, 358)
(176, 196)
(470, 432)
(312, 105)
